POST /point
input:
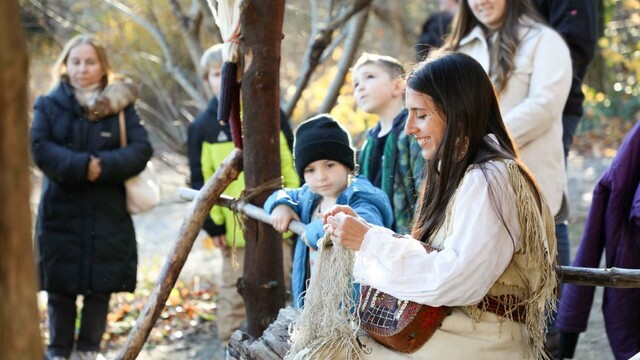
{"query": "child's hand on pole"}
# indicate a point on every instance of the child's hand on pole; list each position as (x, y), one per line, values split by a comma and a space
(281, 216)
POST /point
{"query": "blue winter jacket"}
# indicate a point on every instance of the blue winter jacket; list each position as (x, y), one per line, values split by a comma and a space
(368, 201)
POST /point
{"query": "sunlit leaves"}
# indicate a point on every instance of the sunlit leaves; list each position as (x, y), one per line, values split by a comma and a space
(610, 111)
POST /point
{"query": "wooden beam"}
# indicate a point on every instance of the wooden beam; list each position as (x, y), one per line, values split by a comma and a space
(19, 329)
(611, 277)
(224, 175)
(272, 345)
(250, 210)
(262, 284)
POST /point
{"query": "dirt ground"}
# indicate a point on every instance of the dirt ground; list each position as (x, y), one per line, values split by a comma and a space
(157, 231)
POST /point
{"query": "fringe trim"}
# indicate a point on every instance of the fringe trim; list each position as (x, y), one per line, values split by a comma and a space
(113, 99)
(327, 324)
(538, 247)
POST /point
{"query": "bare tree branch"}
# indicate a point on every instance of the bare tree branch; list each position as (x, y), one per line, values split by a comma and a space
(334, 44)
(314, 16)
(356, 30)
(175, 71)
(209, 20)
(159, 37)
(163, 114)
(188, 31)
(318, 42)
(404, 32)
(154, 84)
(341, 19)
(162, 132)
(196, 13)
(63, 20)
(332, 6)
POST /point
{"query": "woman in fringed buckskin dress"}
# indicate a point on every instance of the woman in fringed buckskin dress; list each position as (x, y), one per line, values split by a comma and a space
(482, 212)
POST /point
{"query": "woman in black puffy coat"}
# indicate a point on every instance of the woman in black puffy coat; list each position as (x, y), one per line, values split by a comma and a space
(84, 234)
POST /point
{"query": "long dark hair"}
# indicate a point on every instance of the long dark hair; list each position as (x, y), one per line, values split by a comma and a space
(508, 38)
(465, 97)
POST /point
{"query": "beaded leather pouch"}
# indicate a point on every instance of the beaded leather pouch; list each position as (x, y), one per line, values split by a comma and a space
(401, 325)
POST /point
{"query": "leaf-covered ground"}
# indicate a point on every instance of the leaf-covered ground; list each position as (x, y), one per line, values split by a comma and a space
(189, 314)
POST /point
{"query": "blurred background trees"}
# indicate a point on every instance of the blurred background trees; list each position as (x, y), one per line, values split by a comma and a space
(158, 44)
(612, 103)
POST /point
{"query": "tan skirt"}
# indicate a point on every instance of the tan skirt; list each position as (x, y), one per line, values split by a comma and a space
(458, 338)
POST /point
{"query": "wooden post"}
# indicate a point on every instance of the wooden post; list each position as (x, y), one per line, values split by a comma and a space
(250, 210)
(224, 175)
(609, 277)
(262, 285)
(19, 324)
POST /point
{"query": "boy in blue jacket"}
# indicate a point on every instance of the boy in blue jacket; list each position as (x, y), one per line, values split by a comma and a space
(324, 157)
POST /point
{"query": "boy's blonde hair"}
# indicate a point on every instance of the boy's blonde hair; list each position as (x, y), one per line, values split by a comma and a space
(212, 56)
(388, 63)
(59, 71)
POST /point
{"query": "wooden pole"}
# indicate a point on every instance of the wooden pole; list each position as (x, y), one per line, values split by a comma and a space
(250, 210)
(611, 277)
(262, 285)
(224, 175)
(352, 44)
(19, 324)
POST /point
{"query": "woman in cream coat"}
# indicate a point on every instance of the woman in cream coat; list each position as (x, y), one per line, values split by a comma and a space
(530, 66)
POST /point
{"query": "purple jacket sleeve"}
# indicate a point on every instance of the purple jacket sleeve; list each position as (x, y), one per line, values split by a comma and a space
(576, 301)
(634, 216)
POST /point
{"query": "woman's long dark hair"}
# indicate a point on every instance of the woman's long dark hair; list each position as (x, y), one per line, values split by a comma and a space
(508, 37)
(465, 97)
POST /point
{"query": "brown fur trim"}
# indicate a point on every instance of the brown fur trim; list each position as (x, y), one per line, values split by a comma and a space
(114, 98)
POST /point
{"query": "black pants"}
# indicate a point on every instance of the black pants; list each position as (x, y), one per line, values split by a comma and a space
(62, 322)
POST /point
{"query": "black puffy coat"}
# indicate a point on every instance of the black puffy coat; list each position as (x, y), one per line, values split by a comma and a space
(433, 33)
(575, 21)
(84, 235)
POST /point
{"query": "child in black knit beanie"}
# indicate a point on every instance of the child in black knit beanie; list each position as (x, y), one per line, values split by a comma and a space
(324, 157)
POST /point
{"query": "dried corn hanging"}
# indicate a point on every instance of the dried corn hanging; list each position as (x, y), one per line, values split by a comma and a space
(228, 20)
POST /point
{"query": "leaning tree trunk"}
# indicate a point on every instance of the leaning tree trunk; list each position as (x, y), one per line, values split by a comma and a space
(224, 175)
(19, 332)
(262, 285)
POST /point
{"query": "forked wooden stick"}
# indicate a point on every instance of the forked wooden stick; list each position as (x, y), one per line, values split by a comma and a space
(228, 171)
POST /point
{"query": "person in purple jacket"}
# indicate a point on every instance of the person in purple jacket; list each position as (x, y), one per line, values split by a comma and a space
(613, 226)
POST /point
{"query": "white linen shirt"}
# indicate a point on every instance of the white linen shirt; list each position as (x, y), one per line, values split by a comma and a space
(476, 252)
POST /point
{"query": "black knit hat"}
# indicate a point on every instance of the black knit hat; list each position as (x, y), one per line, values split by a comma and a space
(322, 138)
